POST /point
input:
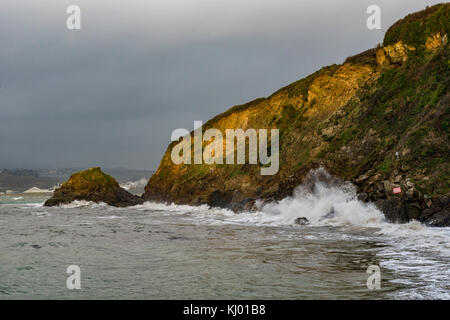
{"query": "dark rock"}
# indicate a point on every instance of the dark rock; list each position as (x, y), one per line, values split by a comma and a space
(379, 196)
(93, 185)
(437, 213)
(427, 214)
(412, 211)
(440, 219)
(444, 201)
(302, 221)
(220, 199)
(412, 194)
(393, 209)
(361, 178)
(363, 197)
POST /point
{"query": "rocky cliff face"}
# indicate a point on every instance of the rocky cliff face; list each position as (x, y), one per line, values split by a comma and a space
(93, 185)
(380, 120)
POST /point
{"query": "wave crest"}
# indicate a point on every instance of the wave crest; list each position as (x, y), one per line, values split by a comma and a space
(322, 199)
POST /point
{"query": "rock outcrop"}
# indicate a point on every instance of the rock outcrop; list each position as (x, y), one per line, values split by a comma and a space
(93, 185)
(301, 221)
(379, 120)
(395, 54)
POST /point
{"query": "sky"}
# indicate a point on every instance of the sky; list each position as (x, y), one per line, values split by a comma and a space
(111, 93)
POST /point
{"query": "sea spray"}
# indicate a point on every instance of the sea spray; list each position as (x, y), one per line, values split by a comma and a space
(322, 199)
(135, 186)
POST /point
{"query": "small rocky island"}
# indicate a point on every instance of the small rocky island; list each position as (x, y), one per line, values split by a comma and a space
(93, 185)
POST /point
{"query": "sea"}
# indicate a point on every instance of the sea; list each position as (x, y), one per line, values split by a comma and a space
(168, 251)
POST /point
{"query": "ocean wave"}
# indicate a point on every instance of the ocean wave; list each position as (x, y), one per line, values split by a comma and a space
(109, 217)
(133, 185)
(322, 200)
(41, 213)
(199, 212)
(82, 204)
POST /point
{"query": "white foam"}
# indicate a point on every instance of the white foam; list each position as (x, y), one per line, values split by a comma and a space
(198, 211)
(109, 217)
(130, 185)
(321, 202)
(41, 213)
(81, 204)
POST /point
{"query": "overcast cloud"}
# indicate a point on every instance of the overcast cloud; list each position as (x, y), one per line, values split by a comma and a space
(111, 93)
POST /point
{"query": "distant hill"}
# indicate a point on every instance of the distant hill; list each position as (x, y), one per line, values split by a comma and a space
(21, 180)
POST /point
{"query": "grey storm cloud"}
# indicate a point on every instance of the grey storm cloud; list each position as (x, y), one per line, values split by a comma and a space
(111, 93)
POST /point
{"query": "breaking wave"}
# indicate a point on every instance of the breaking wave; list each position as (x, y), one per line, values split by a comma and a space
(135, 187)
(82, 204)
(323, 200)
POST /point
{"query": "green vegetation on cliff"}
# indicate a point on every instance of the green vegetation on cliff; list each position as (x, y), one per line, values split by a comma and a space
(417, 27)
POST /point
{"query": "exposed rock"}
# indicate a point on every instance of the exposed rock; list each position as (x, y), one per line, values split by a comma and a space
(302, 221)
(413, 195)
(393, 209)
(440, 219)
(388, 189)
(363, 197)
(361, 178)
(93, 185)
(395, 54)
(220, 199)
(444, 201)
(436, 41)
(329, 132)
(413, 211)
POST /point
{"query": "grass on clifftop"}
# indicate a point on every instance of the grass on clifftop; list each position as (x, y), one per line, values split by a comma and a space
(93, 176)
(416, 27)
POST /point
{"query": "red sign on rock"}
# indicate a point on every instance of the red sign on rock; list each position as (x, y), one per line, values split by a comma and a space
(397, 190)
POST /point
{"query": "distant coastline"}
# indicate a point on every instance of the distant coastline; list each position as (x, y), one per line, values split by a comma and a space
(20, 181)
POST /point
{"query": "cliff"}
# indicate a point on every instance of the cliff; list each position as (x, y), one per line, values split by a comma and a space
(92, 185)
(379, 120)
